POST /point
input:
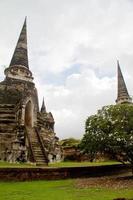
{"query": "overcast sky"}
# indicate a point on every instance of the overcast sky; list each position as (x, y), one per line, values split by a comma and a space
(73, 47)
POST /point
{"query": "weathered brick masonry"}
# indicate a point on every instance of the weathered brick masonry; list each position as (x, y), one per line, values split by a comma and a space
(26, 133)
(27, 174)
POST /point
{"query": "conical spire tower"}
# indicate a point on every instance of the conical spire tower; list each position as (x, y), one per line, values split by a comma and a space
(43, 108)
(20, 56)
(19, 67)
(122, 92)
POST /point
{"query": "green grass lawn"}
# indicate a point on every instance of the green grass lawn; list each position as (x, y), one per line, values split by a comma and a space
(59, 164)
(76, 164)
(57, 190)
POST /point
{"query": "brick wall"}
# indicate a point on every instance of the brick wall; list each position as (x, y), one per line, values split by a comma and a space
(26, 174)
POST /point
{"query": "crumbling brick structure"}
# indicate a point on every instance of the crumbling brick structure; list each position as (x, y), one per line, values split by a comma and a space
(26, 134)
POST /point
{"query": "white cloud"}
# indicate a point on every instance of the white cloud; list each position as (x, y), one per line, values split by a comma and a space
(73, 47)
(80, 96)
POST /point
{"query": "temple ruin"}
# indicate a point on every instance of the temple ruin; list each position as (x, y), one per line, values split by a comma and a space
(26, 133)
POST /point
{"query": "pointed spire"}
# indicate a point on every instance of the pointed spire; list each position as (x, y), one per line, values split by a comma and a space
(20, 56)
(43, 108)
(122, 96)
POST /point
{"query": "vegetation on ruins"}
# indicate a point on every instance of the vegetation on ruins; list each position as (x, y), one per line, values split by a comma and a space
(70, 142)
(57, 164)
(111, 131)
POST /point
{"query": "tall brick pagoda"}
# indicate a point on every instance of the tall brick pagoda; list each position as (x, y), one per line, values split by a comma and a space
(122, 92)
(26, 134)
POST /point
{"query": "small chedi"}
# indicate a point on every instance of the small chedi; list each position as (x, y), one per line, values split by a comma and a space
(26, 134)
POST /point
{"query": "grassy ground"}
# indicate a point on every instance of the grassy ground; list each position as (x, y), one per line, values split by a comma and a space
(81, 189)
(76, 164)
(18, 165)
(60, 164)
(58, 190)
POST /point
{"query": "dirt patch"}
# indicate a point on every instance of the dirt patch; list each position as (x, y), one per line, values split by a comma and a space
(106, 182)
(122, 199)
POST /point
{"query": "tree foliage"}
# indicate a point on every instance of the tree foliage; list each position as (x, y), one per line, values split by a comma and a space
(110, 130)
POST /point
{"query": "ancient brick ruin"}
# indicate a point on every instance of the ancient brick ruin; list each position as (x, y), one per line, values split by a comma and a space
(26, 134)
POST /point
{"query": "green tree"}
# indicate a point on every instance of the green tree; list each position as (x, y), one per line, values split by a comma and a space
(110, 130)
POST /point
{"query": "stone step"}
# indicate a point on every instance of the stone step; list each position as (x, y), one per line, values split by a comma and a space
(38, 154)
(36, 144)
(37, 151)
(7, 133)
(7, 110)
(7, 105)
(7, 120)
(7, 116)
(40, 161)
(34, 141)
(8, 127)
(39, 157)
(36, 148)
(42, 164)
(7, 113)
(4, 111)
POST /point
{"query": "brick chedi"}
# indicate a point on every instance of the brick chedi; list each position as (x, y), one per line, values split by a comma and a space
(122, 92)
(26, 134)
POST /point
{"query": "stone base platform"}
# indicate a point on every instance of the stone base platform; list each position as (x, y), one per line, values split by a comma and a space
(48, 173)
